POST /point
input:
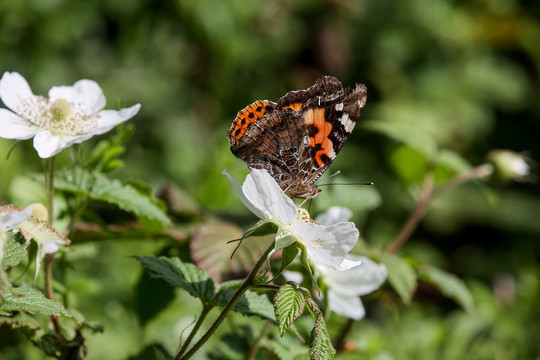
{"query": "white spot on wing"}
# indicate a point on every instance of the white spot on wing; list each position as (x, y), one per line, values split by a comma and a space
(347, 123)
(339, 107)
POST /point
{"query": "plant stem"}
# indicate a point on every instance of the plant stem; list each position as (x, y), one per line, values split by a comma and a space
(237, 295)
(49, 292)
(206, 309)
(50, 189)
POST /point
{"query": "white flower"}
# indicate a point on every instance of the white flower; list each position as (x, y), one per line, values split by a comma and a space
(9, 221)
(325, 245)
(32, 224)
(356, 275)
(69, 115)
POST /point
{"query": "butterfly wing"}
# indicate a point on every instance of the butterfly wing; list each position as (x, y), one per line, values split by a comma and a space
(330, 120)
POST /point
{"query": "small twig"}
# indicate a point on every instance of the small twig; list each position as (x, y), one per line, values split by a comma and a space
(416, 216)
(428, 193)
(483, 171)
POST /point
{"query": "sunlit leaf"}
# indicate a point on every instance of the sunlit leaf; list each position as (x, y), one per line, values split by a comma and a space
(128, 197)
(289, 304)
(31, 301)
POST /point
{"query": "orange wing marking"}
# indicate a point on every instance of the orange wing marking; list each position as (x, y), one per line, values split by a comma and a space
(248, 116)
(316, 118)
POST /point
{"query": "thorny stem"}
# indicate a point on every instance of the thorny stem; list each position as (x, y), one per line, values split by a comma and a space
(237, 295)
(206, 309)
(255, 347)
(429, 193)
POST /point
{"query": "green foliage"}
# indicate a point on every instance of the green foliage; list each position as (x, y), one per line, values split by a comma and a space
(289, 304)
(134, 199)
(14, 251)
(198, 284)
(184, 275)
(31, 301)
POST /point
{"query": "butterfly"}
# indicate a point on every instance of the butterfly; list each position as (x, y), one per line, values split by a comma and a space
(297, 138)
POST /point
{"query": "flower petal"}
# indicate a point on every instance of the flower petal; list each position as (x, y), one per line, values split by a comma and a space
(348, 306)
(13, 219)
(363, 277)
(327, 245)
(333, 215)
(14, 90)
(264, 193)
(48, 145)
(238, 189)
(13, 126)
(84, 93)
(108, 119)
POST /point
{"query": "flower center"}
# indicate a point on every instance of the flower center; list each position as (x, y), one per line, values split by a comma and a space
(60, 109)
(61, 117)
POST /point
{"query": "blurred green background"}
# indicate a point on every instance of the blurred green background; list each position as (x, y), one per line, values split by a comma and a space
(465, 73)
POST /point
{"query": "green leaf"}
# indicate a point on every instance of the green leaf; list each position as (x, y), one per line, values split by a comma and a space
(287, 257)
(449, 284)
(126, 196)
(180, 274)
(405, 134)
(14, 251)
(289, 304)
(31, 301)
(320, 343)
(249, 304)
(401, 276)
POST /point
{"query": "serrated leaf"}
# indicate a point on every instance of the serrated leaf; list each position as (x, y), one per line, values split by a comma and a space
(14, 251)
(401, 276)
(180, 274)
(405, 134)
(249, 304)
(211, 252)
(321, 347)
(99, 187)
(289, 304)
(449, 284)
(32, 301)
